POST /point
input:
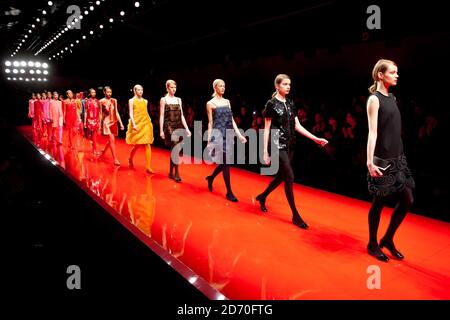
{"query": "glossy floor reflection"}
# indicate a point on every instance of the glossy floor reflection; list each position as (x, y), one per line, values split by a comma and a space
(247, 255)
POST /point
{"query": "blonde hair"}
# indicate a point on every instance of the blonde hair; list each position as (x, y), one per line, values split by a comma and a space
(215, 83)
(279, 79)
(67, 92)
(168, 83)
(136, 86)
(381, 66)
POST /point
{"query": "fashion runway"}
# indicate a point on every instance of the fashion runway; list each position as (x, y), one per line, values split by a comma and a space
(246, 254)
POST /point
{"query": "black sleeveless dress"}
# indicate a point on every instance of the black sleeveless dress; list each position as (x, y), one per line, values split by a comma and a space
(222, 138)
(389, 151)
(172, 122)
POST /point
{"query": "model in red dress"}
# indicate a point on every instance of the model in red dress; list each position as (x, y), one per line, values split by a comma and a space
(71, 117)
(92, 118)
(38, 115)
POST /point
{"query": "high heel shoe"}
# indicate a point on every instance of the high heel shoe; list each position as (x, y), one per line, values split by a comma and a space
(210, 183)
(149, 171)
(262, 203)
(377, 253)
(117, 163)
(298, 221)
(231, 198)
(177, 179)
(390, 246)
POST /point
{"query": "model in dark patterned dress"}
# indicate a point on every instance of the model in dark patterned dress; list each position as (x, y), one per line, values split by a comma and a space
(389, 174)
(171, 118)
(220, 139)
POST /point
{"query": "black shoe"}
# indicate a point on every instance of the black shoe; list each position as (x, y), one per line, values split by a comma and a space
(177, 179)
(210, 182)
(262, 203)
(232, 198)
(298, 221)
(377, 253)
(390, 246)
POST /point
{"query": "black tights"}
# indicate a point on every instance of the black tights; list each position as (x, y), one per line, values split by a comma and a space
(405, 201)
(225, 169)
(286, 174)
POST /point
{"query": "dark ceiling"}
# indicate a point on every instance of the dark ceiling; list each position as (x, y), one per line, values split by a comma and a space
(180, 33)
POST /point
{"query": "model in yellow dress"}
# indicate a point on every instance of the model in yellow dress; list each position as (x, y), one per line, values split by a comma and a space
(140, 128)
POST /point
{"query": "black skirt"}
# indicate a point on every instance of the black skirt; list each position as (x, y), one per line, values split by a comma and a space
(395, 179)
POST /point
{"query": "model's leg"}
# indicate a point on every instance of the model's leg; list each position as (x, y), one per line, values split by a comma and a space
(132, 153)
(398, 215)
(148, 158)
(374, 222)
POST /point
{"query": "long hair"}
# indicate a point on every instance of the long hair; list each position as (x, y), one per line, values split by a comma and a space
(279, 79)
(215, 83)
(381, 66)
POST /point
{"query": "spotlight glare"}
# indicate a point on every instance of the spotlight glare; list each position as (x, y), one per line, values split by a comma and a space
(22, 71)
(16, 63)
(45, 65)
(7, 71)
(91, 8)
(32, 79)
(20, 78)
(15, 71)
(45, 72)
(137, 4)
(31, 71)
(14, 79)
(23, 63)
(29, 31)
(37, 64)
(78, 41)
(86, 12)
(44, 12)
(38, 71)
(25, 36)
(91, 32)
(23, 40)
(38, 20)
(84, 37)
(30, 63)
(101, 26)
(111, 20)
(8, 63)
(8, 78)
(122, 13)
(80, 17)
(33, 26)
(50, 3)
(97, 3)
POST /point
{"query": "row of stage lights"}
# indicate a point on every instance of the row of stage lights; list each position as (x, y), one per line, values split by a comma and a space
(65, 29)
(29, 31)
(26, 71)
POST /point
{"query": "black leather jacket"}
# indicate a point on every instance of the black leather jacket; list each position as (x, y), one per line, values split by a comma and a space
(283, 118)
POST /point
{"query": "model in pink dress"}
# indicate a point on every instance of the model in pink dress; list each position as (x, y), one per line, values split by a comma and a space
(71, 117)
(110, 119)
(46, 118)
(38, 115)
(56, 112)
(92, 118)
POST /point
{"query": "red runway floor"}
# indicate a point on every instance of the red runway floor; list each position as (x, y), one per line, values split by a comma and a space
(247, 255)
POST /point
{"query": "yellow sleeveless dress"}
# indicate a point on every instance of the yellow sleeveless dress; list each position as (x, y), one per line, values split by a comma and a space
(144, 134)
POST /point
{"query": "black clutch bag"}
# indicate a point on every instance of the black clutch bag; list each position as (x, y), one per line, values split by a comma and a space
(381, 163)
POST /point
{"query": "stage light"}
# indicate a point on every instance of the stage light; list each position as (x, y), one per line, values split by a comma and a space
(45, 65)
(22, 70)
(50, 3)
(32, 79)
(15, 71)
(78, 41)
(137, 4)
(84, 37)
(20, 78)
(8, 63)
(14, 79)
(31, 71)
(97, 3)
(26, 79)
(91, 8)
(8, 78)
(86, 12)
(23, 63)
(25, 36)
(30, 63)
(37, 64)
(76, 20)
(38, 20)
(80, 17)
(45, 72)
(91, 32)
(33, 26)
(39, 79)
(122, 13)
(7, 71)
(38, 71)
(44, 12)
(23, 40)
(29, 31)
(101, 26)
(111, 20)
(45, 79)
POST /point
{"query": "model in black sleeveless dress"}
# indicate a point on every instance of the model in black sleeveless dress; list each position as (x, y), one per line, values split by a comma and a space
(397, 180)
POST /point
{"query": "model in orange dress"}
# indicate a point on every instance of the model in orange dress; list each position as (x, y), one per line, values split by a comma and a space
(110, 119)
